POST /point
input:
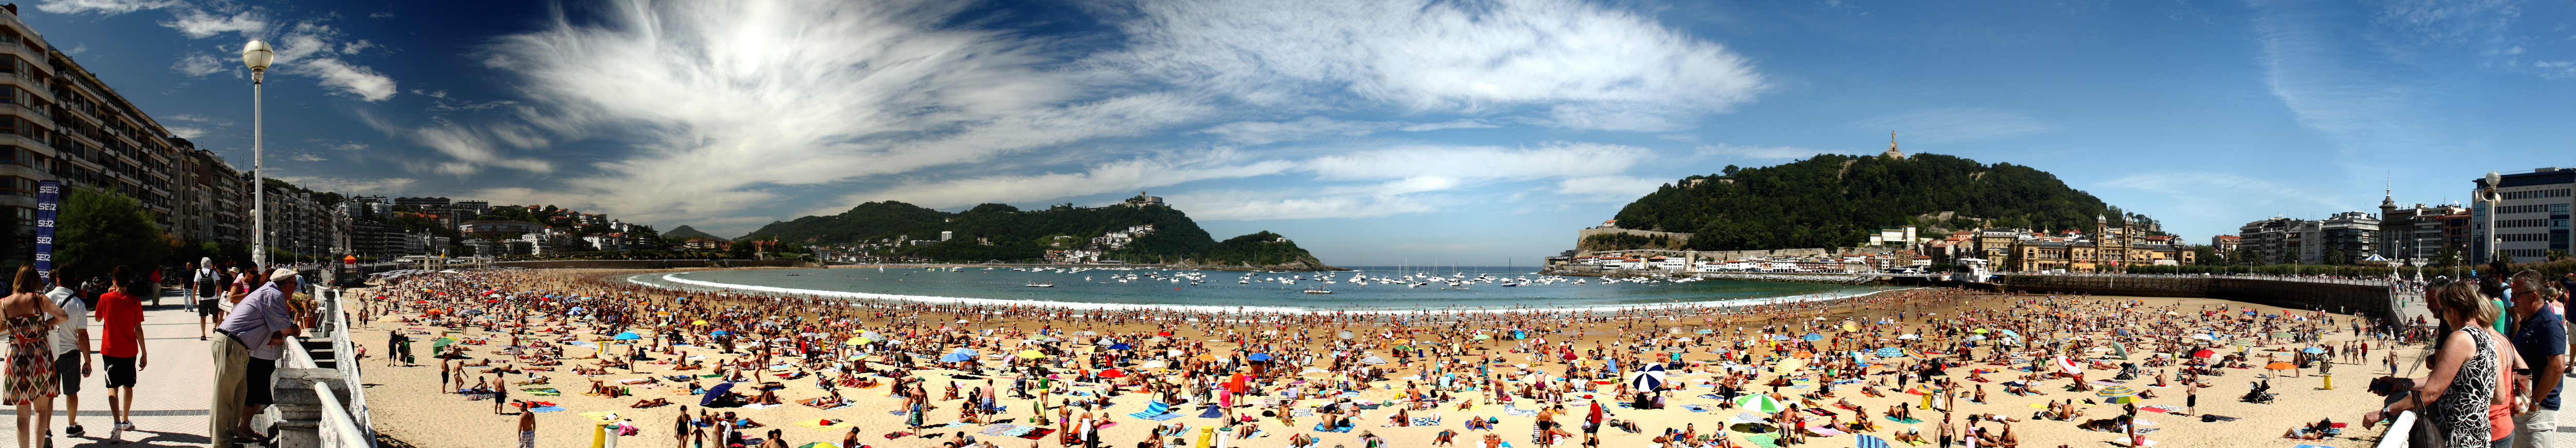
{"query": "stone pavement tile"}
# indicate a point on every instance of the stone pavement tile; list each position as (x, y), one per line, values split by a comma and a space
(172, 390)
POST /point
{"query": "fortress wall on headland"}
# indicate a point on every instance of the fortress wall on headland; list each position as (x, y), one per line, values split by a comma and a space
(2332, 297)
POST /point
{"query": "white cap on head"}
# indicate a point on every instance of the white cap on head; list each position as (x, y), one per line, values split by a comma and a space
(281, 274)
(206, 261)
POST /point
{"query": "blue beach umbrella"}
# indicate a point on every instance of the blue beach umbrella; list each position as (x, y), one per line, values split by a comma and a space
(1813, 337)
(721, 333)
(1891, 351)
(2008, 333)
(1870, 441)
(2314, 350)
(1258, 357)
(956, 357)
(627, 336)
(713, 392)
(1120, 346)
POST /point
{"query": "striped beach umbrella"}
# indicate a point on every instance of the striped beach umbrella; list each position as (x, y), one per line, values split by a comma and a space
(2117, 394)
(1870, 441)
(1760, 403)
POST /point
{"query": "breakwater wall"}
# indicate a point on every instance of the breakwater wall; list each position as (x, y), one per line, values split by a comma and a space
(652, 264)
(2328, 296)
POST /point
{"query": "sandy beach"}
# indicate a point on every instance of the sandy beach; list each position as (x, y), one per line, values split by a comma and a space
(409, 405)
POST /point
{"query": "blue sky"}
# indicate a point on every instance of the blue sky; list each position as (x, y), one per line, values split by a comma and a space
(1371, 131)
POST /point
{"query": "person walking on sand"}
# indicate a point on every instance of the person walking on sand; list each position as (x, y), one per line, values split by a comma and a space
(71, 349)
(527, 427)
(29, 382)
(121, 319)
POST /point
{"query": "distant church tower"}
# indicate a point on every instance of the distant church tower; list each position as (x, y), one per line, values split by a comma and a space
(1892, 153)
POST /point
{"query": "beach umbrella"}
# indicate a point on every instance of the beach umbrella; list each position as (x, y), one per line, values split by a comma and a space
(714, 391)
(1976, 337)
(1789, 365)
(1154, 364)
(1649, 378)
(2120, 350)
(1346, 334)
(868, 334)
(1373, 360)
(1480, 337)
(1705, 331)
(2204, 337)
(1258, 357)
(2008, 333)
(1120, 346)
(1910, 336)
(1032, 354)
(956, 357)
(2280, 366)
(720, 333)
(2115, 391)
(854, 340)
(699, 322)
(1870, 441)
(1813, 336)
(1760, 403)
(2068, 366)
(2204, 353)
(2313, 350)
(1112, 373)
(1979, 331)
(627, 336)
(1891, 351)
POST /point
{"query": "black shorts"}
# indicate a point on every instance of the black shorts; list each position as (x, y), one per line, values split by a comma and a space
(120, 371)
(259, 394)
(67, 368)
(206, 307)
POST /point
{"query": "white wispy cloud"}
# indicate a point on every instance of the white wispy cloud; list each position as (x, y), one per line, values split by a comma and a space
(1243, 205)
(1124, 175)
(1955, 124)
(200, 64)
(303, 48)
(1608, 188)
(1763, 152)
(1267, 132)
(1590, 66)
(2202, 195)
(104, 6)
(1468, 123)
(307, 157)
(189, 132)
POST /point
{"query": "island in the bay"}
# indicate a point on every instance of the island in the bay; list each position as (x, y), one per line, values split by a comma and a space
(1140, 230)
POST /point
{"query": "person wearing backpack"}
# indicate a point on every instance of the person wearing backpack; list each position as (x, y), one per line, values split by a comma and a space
(202, 286)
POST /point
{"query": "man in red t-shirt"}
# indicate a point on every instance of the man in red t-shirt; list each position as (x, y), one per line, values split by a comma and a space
(122, 350)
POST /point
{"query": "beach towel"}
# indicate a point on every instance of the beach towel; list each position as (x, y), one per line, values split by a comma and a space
(2222, 418)
(546, 409)
(1710, 396)
(2161, 408)
(2312, 446)
(1908, 421)
(1695, 408)
(836, 426)
(1038, 434)
(1747, 417)
(761, 406)
(1153, 409)
(1763, 440)
(542, 391)
(2125, 442)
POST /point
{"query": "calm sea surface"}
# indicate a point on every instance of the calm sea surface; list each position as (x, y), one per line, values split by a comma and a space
(1219, 290)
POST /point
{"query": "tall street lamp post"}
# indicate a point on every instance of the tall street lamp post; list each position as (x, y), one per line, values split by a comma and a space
(256, 55)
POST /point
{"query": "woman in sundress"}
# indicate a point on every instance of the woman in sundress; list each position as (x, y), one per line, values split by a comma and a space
(30, 384)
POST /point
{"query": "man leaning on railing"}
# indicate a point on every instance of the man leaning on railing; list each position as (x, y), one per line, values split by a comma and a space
(243, 367)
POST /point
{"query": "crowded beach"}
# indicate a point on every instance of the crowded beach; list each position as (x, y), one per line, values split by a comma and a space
(573, 358)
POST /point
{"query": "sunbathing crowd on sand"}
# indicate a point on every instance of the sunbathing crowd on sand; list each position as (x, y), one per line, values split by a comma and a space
(1764, 375)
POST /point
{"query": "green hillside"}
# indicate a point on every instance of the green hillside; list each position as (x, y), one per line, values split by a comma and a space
(1837, 200)
(1005, 233)
(687, 232)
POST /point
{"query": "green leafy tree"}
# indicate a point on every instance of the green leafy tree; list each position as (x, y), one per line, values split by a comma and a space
(98, 230)
(2207, 256)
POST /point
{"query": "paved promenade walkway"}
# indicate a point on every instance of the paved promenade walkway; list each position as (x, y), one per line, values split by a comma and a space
(171, 393)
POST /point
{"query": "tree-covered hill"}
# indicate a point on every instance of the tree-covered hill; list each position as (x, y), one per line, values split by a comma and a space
(1006, 233)
(1837, 200)
(689, 232)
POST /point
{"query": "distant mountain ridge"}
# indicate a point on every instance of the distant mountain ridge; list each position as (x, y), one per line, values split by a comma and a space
(1005, 233)
(1835, 200)
(690, 233)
